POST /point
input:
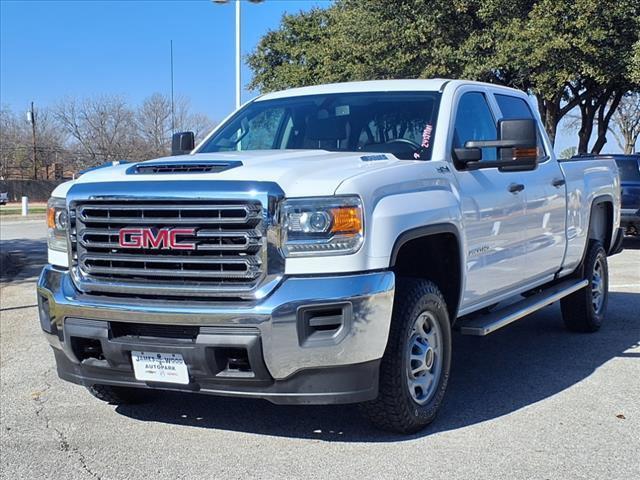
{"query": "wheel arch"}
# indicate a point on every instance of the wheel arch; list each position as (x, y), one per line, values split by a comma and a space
(446, 270)
(600, 227)
(601, 221)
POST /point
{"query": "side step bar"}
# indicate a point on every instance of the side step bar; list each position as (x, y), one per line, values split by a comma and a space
(485, 324)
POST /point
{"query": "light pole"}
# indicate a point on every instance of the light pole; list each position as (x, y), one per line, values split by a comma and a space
(238, 53)
(238, 81)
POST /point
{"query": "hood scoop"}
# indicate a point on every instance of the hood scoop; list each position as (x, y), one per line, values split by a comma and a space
(169, 167)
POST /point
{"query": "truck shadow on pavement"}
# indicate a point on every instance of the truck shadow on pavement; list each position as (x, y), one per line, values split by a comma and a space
(22, 259)
(492, 376)
(631, 243)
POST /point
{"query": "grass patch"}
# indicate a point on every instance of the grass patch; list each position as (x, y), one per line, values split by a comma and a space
(4, 211)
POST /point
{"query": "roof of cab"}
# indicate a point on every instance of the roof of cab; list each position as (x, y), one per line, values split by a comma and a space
(434, 84)
(367, 86)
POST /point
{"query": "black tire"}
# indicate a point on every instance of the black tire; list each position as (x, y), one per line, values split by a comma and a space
(578, 310)
(120, 395)
(395, 409)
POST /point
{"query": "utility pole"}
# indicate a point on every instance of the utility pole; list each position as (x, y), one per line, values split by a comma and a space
(31, 118)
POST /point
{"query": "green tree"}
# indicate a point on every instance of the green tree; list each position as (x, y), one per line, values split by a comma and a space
(363, 40)
(295, 54)
(568, 53)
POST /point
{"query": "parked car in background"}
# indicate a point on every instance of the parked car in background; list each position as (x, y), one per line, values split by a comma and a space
(4, 198)
(629, 173)
(629, 169)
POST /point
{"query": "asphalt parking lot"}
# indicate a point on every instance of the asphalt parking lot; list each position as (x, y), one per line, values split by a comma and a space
(530, 401)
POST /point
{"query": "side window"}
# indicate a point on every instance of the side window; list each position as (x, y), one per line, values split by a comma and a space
(474, 121)
(261, 130)
(515, 108)
(255, 133)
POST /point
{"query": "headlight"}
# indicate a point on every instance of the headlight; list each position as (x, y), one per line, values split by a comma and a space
(321, 226)
(57, 224)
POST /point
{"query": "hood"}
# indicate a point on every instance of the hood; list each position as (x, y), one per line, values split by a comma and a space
(300, 173)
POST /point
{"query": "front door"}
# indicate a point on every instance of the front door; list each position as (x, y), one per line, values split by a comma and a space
(493, 211)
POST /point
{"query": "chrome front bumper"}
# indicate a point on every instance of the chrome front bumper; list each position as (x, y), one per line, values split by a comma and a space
(308, 326)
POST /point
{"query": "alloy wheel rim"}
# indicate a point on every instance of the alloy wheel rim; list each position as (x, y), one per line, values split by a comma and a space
(424, 358)
(597, 286)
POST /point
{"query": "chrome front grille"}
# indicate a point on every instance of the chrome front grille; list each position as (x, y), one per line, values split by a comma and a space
(228, 258)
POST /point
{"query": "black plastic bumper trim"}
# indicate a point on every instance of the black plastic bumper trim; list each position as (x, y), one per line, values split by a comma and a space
(317, 386)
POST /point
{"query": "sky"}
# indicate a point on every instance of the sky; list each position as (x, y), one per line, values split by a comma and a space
(53, 49)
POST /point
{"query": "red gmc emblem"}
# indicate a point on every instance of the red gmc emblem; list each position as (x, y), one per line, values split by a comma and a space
(163, 238)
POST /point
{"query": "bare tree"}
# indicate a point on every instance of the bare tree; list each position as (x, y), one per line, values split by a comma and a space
(49, 141)
(627, 122)
(87, 132)
(197, 123)
(153, 120)
(103, 127)
(16, 144)
(9, 141)
(200, 125)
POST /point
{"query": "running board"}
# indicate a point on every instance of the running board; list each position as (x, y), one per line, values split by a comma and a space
(485, 324)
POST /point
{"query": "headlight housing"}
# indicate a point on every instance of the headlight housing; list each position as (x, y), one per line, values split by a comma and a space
(321, 226)
(57, 224)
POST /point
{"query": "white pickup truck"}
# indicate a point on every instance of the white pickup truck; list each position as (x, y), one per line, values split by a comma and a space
(320, 245)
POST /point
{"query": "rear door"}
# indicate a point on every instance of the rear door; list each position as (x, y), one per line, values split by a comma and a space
(544, 197)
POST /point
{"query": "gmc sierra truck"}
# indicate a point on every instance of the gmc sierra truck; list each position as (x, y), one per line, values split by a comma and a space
(319, 246)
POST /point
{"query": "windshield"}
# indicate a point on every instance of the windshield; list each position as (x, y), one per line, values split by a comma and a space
(400, 123)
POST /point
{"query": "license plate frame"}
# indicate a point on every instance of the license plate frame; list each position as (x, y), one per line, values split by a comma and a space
(159, 367)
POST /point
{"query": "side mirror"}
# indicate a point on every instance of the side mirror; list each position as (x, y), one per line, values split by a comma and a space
(182, 143)
(517, 146)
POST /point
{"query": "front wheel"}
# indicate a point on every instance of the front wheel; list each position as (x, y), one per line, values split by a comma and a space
(415, 367)
(584, 310)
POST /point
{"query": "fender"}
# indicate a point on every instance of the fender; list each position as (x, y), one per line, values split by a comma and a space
(425, 231)
(407, 205)
(610, 234)
(600, 199)
(430, 231)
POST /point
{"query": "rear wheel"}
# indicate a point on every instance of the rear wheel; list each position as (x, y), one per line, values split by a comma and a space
(120, 395)
(415, 367)
(584, 310)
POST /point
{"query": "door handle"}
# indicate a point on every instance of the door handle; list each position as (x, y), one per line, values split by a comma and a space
(516, 187)
(558, 182)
